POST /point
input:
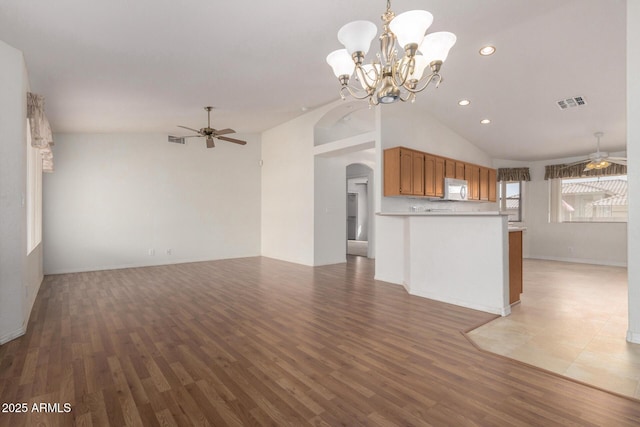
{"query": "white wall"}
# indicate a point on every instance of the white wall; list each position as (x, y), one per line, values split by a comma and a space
(592, 243)
(303, 194)
(403, 124)
(287, 189)
(115, 197)
(633, 174)
(20, 274)
(331, 206)
(458, 259)
(330, 228)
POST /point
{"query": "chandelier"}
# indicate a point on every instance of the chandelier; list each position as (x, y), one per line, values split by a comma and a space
(390, 78)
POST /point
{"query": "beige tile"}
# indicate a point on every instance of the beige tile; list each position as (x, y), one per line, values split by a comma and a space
(603, 378)
(556, 358)
(572, 320)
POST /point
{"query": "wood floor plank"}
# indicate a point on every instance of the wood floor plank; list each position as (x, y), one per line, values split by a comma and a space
(256, 341)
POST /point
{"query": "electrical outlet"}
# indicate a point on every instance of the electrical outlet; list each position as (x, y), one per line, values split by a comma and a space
(152, 252)
(169, 251)
(570, 249)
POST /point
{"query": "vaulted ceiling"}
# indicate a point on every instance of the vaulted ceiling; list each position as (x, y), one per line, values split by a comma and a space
(148, 65)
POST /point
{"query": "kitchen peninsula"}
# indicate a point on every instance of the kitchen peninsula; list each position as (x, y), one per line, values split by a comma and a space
(460, 258)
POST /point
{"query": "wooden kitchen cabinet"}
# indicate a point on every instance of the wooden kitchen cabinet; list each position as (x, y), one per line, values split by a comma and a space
(410, 172)
(484, 183)
(515, 266)
(439, 177)
(459, 170)
(449, 168)
(493, 183)
(403, 172)
(472, 175)
(429, 175)
(417, 173)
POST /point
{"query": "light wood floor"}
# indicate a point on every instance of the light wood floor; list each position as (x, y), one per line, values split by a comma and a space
(262, 342)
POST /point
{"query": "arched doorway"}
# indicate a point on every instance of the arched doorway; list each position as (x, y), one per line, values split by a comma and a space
(359, 209)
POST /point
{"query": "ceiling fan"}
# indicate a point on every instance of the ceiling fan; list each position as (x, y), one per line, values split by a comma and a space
(599, 159)
(208, 132)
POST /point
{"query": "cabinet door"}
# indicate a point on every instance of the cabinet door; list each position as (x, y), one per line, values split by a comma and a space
(439, 177)
(429, 175)
(418, 174)
(406, 173)
(492, 185)
(459, 170)
(515, 266)
(449, 168)
(484, 183)
(391, 168)
(472, 175)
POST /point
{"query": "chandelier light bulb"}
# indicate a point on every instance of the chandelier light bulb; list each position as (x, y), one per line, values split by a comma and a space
(341, 62)
(409, 27)
(436, 46)
(356, 36)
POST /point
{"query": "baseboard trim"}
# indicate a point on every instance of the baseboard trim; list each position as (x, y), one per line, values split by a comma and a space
(501, 311)
(633, 337)
(13, 335)
(579, 260)
(140, 265)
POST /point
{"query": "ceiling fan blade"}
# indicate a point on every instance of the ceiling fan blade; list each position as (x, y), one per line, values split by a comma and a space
(210, 143)
(224, 131)
(191, 129)
(176, 139)
(618, 160)
(192, 136)
(576, 163)
(236, 141)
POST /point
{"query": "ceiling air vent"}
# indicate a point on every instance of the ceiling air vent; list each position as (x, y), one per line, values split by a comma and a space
(176, 139)
(576, 101)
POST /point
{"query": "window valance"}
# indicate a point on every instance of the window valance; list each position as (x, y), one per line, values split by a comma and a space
(513, 174)
(577, 171)
(41, 136)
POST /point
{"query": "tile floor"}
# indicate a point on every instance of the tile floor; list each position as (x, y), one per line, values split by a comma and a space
(572, 320)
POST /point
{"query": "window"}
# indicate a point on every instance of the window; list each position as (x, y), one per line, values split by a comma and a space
(592, 199)
(510, 193)
(34, 194)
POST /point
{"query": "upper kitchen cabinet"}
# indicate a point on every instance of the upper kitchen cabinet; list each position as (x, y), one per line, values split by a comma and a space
(453, 169)
(493, 184)
(487, 184)
(484, 184)
(472, 175)
(410, 172)
(434, 173)
(404, 171)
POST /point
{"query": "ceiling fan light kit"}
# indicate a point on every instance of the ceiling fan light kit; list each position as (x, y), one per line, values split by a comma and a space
(599, 159)
(390, 78)
(207, 132)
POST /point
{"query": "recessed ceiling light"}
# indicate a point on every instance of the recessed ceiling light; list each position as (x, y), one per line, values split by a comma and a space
(485, 121)
(464, 102)
(487, 50)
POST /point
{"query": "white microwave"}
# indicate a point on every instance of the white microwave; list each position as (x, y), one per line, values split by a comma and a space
(455, 189)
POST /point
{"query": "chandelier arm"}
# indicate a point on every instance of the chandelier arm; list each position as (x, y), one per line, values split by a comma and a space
(410, 97)
(431, 77)
(404, 69)
(354, 92)
(364, 76)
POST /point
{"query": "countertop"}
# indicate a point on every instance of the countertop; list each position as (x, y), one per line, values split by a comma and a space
(442, 213)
